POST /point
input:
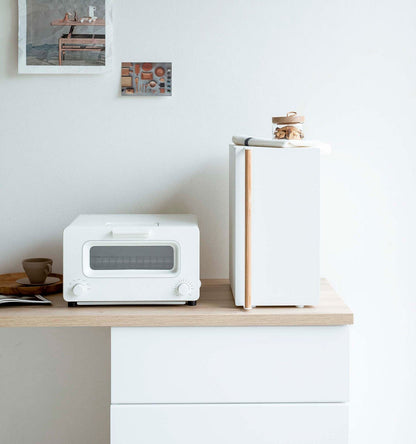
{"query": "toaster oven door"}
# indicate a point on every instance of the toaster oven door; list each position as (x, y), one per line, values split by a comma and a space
(131, 259)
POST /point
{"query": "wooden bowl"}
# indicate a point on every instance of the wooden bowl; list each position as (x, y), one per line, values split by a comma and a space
(9, 286)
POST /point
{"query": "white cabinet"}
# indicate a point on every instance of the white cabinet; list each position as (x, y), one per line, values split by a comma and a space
(229, 364)
(230, 423)
(187, 385)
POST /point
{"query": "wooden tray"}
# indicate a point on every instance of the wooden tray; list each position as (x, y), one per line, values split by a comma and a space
(9, 286)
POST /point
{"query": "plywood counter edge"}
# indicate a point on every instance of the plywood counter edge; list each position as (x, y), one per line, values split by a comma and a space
(215, 309)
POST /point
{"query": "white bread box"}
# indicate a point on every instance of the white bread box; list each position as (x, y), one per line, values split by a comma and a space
(274, 226)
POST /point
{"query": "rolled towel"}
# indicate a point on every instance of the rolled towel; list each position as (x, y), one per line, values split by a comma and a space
(275, 143)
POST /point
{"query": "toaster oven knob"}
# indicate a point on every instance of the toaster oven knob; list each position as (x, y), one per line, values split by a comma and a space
(184, 289)
(79, 290)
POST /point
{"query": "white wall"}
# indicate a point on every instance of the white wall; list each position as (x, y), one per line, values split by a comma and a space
(71, 145)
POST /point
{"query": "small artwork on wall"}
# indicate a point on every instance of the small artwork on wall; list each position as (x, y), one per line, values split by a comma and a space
(146, 79)
(64, 36)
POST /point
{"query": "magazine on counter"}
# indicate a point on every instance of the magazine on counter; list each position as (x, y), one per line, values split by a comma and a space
(32, 299)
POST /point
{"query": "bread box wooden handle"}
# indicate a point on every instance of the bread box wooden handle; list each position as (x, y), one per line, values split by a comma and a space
(248, 203)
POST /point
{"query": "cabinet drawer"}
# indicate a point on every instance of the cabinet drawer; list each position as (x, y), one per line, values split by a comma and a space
(229, 364)
(228, 423)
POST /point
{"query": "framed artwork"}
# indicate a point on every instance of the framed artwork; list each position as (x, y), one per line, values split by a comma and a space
(65, 36)
(146, 79)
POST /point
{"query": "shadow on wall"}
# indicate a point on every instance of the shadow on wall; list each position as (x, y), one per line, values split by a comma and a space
(212, 212)
(11, 44)
(52, 248)
(55, 385)
(184, 196)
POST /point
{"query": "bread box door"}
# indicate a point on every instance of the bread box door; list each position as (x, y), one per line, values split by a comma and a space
(284, 235)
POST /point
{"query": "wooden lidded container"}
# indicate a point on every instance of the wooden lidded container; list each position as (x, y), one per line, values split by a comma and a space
(289, 127)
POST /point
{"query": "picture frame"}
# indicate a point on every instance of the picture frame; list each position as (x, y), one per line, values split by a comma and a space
(152, 79)
(55, 39)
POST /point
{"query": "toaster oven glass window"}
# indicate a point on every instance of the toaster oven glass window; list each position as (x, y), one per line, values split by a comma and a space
(132, 257)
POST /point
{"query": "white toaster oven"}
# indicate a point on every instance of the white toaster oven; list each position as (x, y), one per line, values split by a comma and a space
(131, 259)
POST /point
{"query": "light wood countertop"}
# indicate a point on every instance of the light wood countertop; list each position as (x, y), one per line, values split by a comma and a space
(215, 308)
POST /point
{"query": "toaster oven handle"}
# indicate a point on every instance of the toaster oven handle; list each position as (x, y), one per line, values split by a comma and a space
(131, 232)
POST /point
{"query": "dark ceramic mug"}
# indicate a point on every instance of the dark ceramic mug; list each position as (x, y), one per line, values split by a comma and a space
(37, 269)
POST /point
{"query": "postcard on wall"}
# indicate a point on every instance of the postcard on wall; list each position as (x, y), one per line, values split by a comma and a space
(146, 79)
(65, 36)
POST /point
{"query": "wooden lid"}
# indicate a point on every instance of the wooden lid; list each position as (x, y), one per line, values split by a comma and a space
(291, 117)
